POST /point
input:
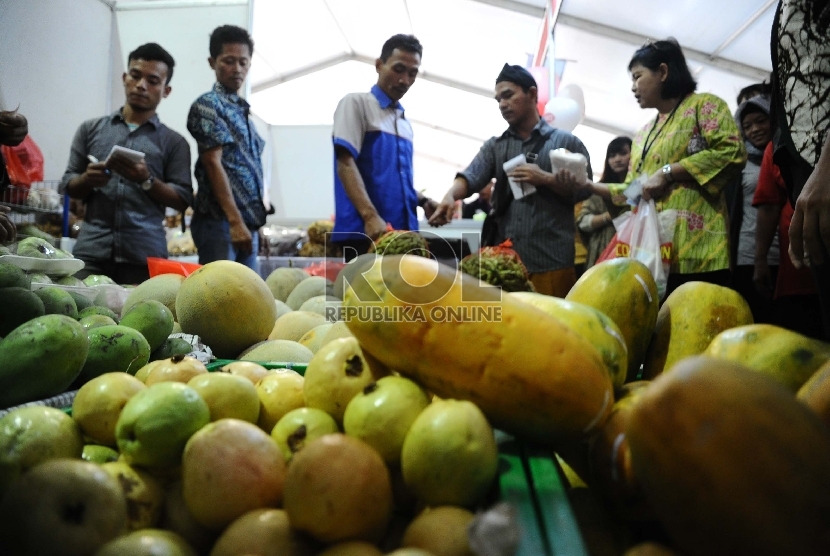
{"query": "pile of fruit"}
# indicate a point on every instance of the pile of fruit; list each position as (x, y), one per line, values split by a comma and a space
(682, 429)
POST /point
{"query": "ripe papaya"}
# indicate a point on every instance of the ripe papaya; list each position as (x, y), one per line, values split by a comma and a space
(623, 289)
(731, 463)
(612, 475)
(689, 320)
(815, 393)
(591, 324)
(784, 355)
(529, 373)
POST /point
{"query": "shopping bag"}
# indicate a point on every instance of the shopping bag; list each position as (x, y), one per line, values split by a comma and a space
(24, 162)
(158, 266)
(647, 236)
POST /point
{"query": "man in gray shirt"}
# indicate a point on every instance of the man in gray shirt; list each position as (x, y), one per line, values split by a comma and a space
(540, 225)
(125, 200)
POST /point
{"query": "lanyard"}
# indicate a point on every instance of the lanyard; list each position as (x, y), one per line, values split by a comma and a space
(647, 145)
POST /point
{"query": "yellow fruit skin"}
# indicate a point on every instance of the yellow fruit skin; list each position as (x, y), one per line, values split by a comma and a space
(228, 305)
(623, 289)
(784, 355)
(689, 320)
(816, 393)
(731, 463)
(529, 373)
(99, 402)
(143, 493)
(591, 324)
(279, 392)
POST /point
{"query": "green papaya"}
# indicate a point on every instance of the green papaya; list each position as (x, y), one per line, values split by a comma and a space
(41, 358)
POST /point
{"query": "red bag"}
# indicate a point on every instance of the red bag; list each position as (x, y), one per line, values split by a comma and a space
(158, 266)
(24, 164)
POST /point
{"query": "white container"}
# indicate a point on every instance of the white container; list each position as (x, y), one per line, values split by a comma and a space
(67, 244)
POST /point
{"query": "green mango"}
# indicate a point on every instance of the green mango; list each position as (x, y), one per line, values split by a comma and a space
(113, 348)
(19, 305)
(41, 358)
(152, 319)
(13, 277)
(171, 347)
(57, 302)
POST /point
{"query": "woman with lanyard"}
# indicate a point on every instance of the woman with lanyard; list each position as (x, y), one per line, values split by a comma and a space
(683, 159)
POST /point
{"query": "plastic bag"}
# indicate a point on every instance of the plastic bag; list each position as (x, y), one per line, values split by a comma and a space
(646, 236)
(24, 162)
(158, 266)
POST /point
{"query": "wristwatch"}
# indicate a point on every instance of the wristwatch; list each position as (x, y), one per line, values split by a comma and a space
(667, 173)
(147, 184)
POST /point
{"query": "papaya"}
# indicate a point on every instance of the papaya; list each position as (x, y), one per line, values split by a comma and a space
(41, 358)
(530, 374)
(623, 289)
(786, 356)
(592, 324)
(19, 306)
(815, 393)
(227, 305)
(731, 463)
(689, 320)
(609, 455)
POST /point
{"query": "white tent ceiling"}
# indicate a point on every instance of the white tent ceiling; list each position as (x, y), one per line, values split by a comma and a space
(310, 53)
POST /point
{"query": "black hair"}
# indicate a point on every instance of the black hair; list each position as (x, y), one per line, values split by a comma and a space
(616, 146)
(407, 43)
(679, 81)
(152, 52)
(754, 90)
(229, 34)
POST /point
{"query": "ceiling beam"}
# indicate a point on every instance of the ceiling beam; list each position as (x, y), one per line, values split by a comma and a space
(740, 30)
(637, 39)
(513, 6)
(426, 76)
(301, 72)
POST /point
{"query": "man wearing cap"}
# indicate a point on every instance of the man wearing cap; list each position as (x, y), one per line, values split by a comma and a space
(373, 178)
(541, 224)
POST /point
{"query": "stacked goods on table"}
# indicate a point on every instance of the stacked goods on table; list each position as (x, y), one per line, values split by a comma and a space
(682, 429)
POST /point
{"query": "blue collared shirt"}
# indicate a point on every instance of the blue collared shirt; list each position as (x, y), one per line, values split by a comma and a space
(220, 119)
(375, 131)
(122, 222)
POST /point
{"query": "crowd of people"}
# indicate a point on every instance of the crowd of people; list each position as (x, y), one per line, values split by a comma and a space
(751, 189)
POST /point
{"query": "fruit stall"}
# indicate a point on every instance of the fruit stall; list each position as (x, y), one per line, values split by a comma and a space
(404, 407)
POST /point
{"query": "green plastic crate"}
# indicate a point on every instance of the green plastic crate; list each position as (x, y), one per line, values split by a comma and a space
(299, 367)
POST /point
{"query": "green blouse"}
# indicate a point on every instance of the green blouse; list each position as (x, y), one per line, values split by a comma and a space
(701, 233)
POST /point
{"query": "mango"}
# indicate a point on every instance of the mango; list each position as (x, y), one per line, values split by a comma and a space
(689, 320)
(12, 276)
(41, 359)
(57, 302)
(152, 319)
(114, 348)
(98, 310)
(815, 393)
(170, 348)
(786, 356)
(19, 306)
(162, 288)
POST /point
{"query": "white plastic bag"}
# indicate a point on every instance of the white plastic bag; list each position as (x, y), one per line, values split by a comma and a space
(647, 236)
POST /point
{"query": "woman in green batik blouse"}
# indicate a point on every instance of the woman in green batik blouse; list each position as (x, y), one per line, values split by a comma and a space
(684, 157)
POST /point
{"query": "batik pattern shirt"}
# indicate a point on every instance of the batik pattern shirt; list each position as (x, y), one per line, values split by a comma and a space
(701, 241)
(220, 118)
(803, 72)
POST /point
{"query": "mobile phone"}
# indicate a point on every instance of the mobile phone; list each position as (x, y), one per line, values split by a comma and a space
(531, 158)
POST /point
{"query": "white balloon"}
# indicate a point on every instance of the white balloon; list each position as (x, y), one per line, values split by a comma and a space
(563, 113)
(574, 92)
